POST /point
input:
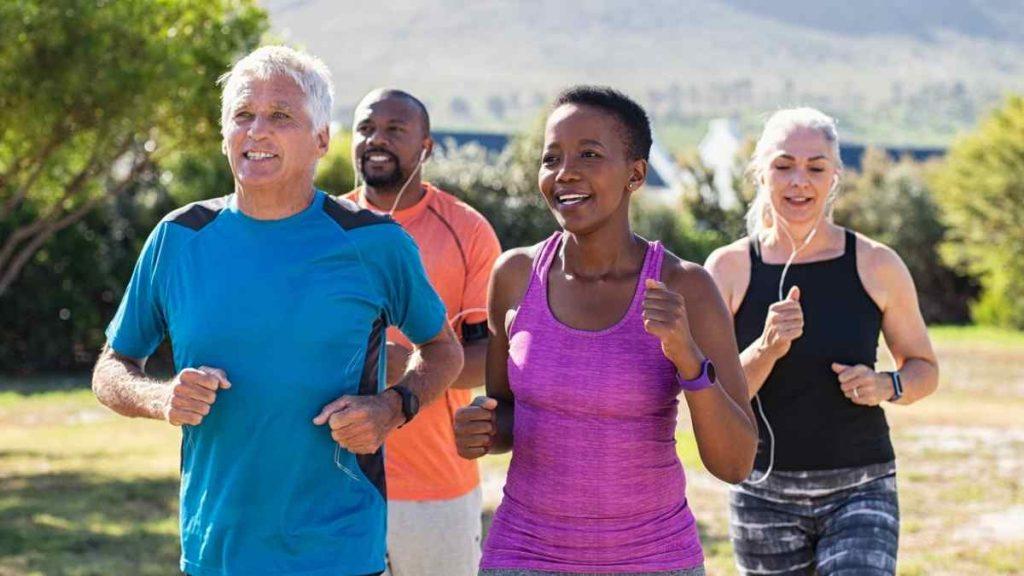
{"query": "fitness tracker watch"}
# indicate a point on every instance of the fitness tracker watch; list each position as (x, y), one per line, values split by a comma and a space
(410, 403)
(897, 386)
(706, 379)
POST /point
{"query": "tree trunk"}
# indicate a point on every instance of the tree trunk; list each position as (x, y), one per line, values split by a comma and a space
(31, 237)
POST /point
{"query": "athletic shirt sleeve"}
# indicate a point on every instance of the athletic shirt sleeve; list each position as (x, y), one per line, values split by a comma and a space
(410, 301)
(484, 250)
(139, 325)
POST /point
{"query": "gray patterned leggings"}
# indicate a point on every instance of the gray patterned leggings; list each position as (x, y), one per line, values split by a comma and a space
(829, 522)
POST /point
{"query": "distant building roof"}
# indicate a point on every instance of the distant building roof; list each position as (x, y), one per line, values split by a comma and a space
(492, 142)
(852, 155)
(659, 174)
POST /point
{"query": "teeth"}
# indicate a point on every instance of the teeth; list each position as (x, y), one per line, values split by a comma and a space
(258, 155)
(572, 198)
(379, 158)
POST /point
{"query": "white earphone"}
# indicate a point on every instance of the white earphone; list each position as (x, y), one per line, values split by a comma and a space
(419, 164)
(781, 222)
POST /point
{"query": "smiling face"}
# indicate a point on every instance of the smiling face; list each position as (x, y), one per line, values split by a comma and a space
(800, 176)
(269, 138)
(388, 138)
(586, 174)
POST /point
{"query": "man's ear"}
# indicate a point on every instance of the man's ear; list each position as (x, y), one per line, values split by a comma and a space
(428, 149)
(323, 141)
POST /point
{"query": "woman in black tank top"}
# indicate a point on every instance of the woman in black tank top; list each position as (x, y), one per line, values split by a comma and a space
(809, 300)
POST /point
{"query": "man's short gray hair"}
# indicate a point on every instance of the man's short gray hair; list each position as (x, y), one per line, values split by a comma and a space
(308, 71)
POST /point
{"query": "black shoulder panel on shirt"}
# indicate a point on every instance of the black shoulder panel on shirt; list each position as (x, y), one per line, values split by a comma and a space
(349, 215)
(198, 214)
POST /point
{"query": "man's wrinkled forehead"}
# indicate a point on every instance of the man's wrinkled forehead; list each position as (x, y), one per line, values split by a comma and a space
(282, 89)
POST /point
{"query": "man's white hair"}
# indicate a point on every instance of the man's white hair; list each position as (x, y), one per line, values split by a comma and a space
(308, 71)
(780, 124)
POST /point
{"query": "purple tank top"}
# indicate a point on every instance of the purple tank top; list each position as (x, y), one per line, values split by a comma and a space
(595, 484)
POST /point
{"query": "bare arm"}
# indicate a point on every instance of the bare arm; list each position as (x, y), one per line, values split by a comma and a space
(433, 366)
(472, 375)
(889, 283)
(508, 284)
(120, 383)
(757, 360)
(485, 427)
(907, 337)
(722, 420)
(730, 269)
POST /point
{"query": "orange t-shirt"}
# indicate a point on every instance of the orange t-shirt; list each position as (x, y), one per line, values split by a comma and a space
(458, 248)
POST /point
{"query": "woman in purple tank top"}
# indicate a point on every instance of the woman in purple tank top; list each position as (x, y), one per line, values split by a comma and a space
(593, 335)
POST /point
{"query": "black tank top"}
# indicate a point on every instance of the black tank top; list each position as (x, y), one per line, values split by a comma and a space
(816, 427)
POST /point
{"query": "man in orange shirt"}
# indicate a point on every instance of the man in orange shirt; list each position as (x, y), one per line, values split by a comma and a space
(433, 494)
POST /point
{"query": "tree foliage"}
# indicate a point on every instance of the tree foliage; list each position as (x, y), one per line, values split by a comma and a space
(94, 95)
(980, 190)
(502, 187)
(108, 119)
(335, 173)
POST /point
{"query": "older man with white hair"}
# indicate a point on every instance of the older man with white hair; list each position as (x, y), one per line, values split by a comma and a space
(276, 299)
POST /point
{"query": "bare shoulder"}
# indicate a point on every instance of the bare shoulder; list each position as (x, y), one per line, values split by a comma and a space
(729, 261)
(516, 262)
(729, 266)
(687, 278)
(882, 272)
(511, 275)
(878, 260)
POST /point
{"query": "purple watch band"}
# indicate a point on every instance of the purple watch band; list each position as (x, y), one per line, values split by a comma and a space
(706, 379)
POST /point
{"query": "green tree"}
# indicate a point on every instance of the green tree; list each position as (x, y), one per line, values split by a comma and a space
(96, 96)
(676, 227)
(980, 191)
(721, 221)
(335, 173)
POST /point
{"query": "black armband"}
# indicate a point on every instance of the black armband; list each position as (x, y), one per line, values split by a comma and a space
(474, 332)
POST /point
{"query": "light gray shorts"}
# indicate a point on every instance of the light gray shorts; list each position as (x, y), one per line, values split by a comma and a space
(434, 536)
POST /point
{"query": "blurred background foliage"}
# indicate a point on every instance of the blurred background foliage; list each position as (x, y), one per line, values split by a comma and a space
(109, 115)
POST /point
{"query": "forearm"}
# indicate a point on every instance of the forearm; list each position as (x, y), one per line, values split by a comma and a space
(920, 378)
(472, 375)
(121, 384)
(726, 437)
(757, 361)
(432, 368)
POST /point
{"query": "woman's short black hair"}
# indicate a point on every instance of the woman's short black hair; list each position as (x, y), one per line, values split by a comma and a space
(634, 121)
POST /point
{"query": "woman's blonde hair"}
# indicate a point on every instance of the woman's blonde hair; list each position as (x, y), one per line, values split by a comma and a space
(759, 215)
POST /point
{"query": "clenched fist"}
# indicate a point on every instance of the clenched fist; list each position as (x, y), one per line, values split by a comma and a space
(192, 392)
(665, 316)
(862, 385)
(360, 424)
(785, 323)
(475, 427)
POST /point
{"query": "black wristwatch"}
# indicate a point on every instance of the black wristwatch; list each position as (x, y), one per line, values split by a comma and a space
(897, 386)
(410, 403)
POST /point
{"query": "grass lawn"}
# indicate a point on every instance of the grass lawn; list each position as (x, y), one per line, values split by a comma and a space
(84, 492)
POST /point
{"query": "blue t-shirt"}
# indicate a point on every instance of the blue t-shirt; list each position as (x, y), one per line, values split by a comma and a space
(294, 311)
